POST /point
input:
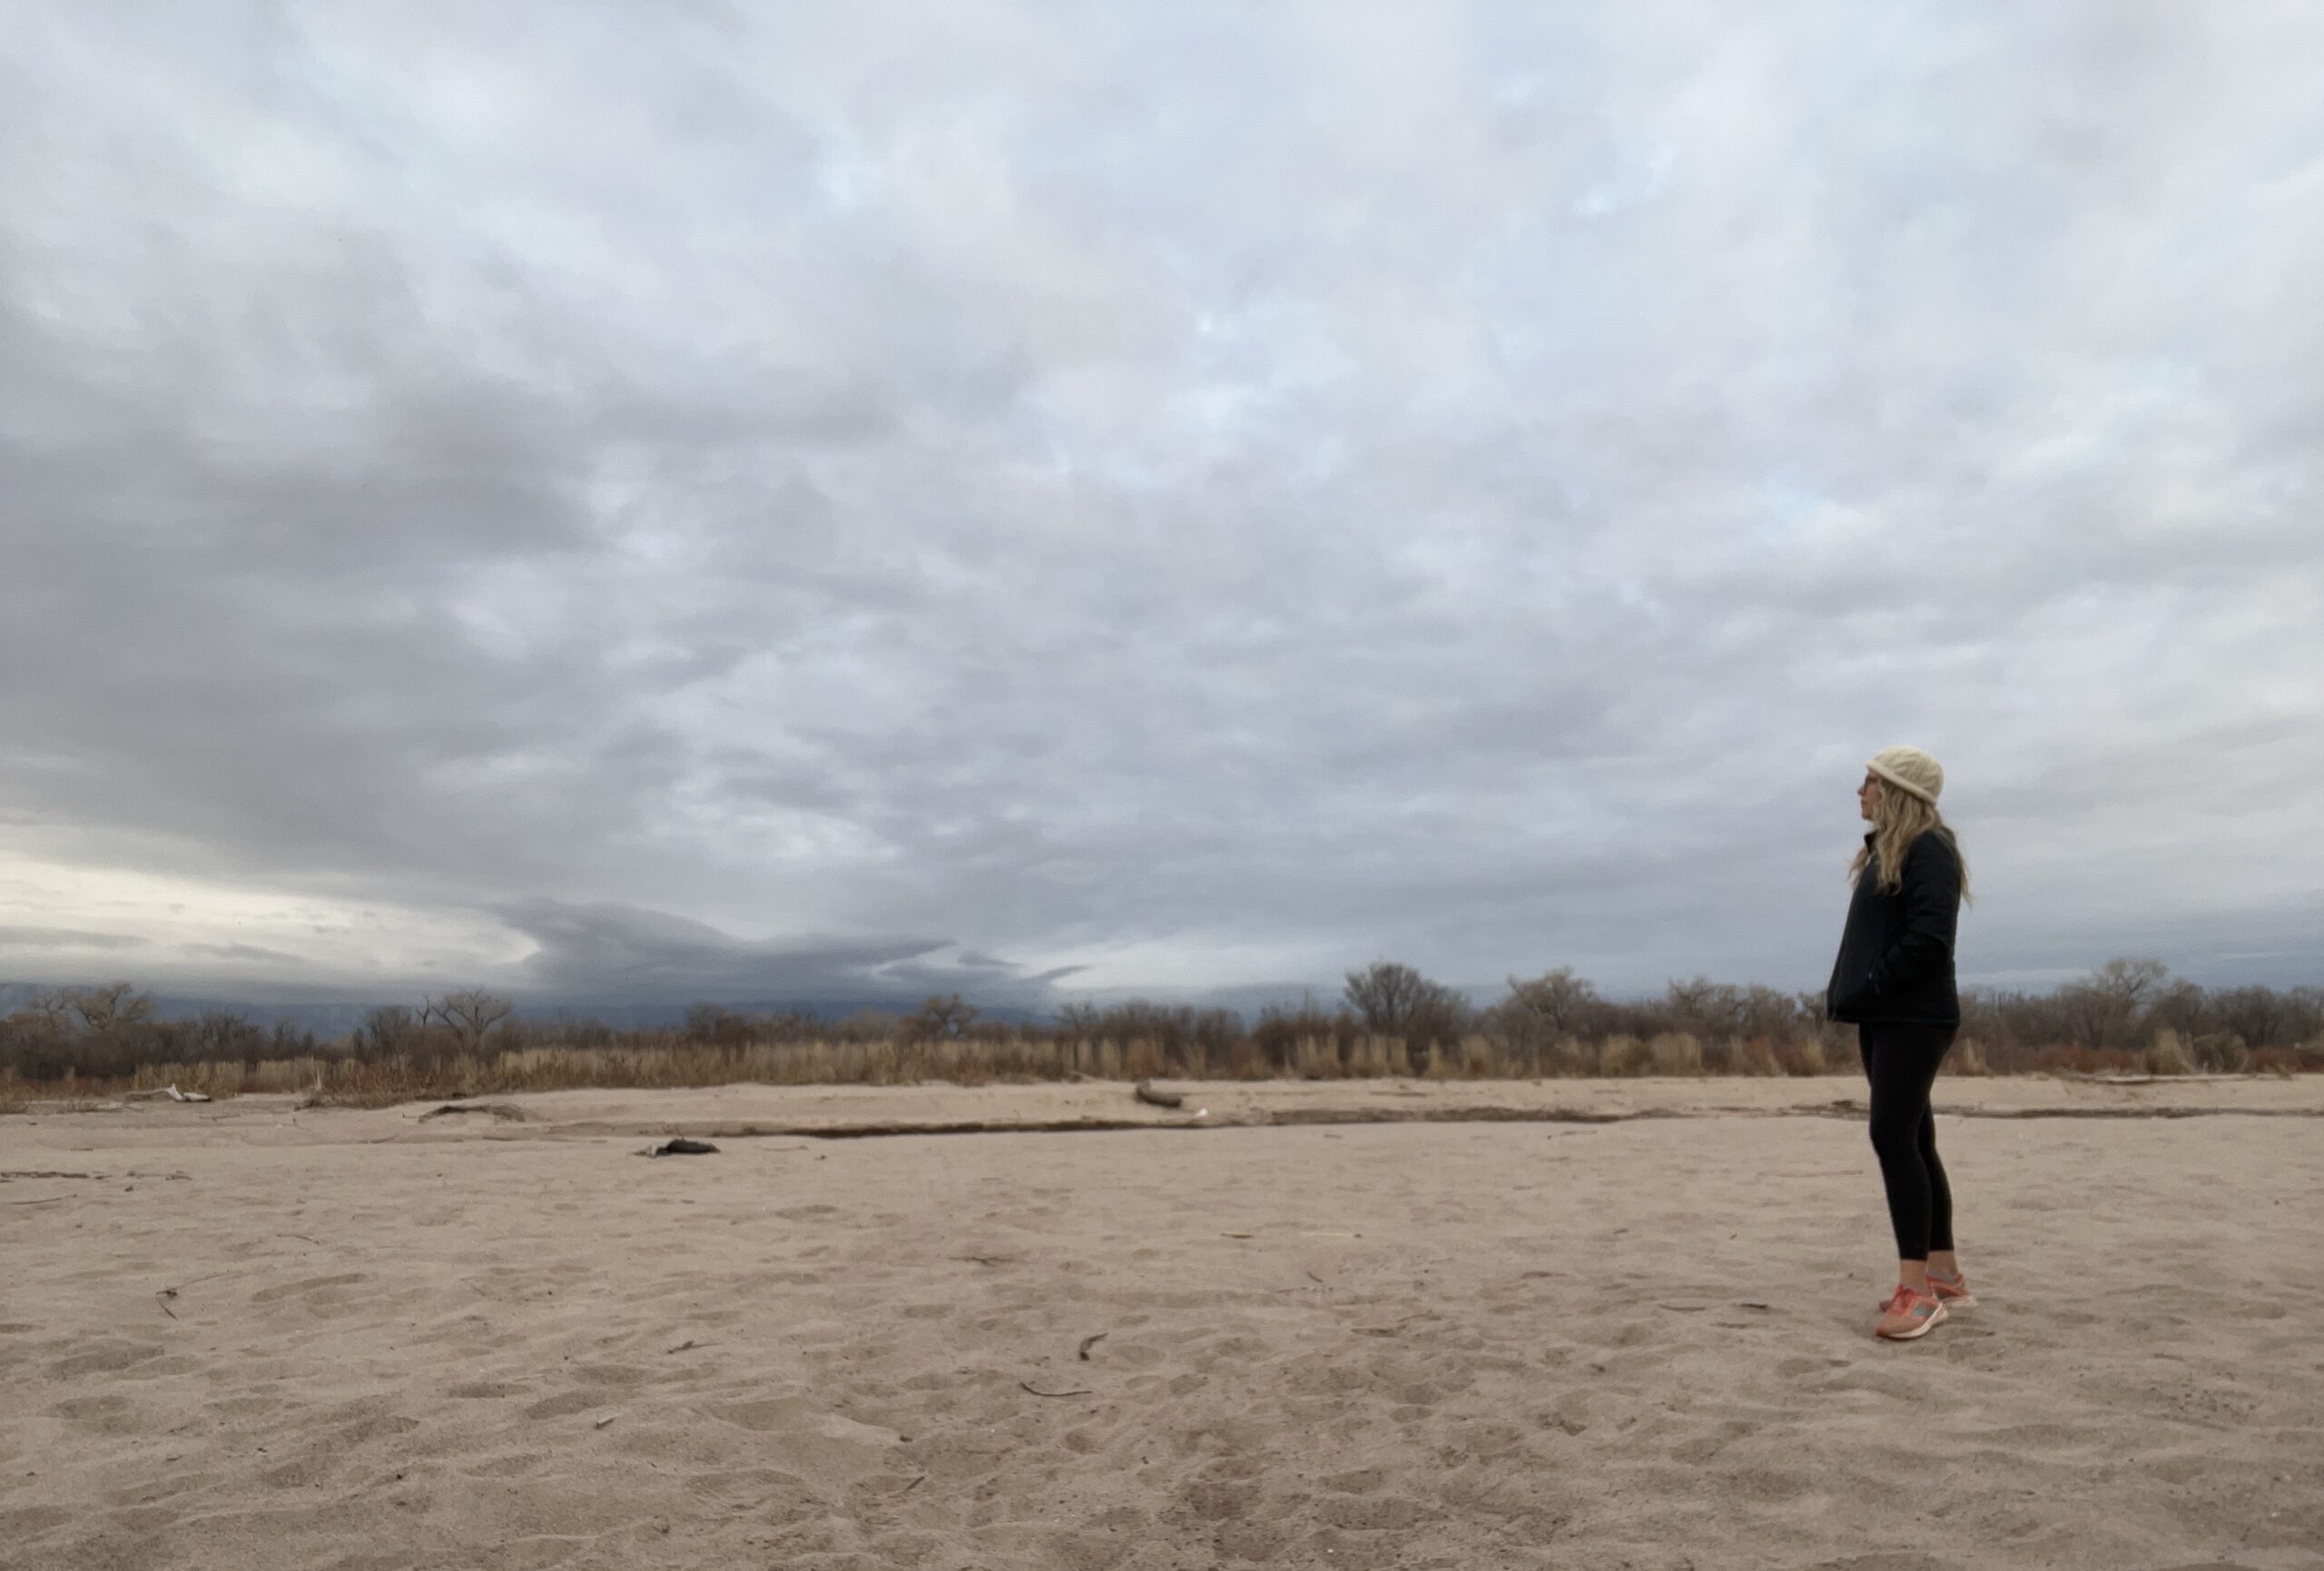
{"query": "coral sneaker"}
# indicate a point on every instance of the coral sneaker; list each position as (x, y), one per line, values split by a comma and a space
(1908, 1314)
(1953, 1292)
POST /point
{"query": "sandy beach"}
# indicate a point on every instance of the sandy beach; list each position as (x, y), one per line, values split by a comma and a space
(1581, 1323)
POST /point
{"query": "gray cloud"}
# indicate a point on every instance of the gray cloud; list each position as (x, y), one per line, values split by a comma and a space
(616, 952)
(14, 934)
(1208, 501)
(247, 954)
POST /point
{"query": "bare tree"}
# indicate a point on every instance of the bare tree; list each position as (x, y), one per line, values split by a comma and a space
(468, 1015)
(1704, 1008)
(2104, 1009)
(116, 1003)
(1540, 1010)
(2261, 1016)
(2183, 1006)
(1394, 999)
(944, 1018)
(715, 1023)
(386, 1031)
(2307, 1007)
(54, 1010)
(2134, 981)
(288, 1041)
(2091, 1018)
(1558, 1003)
(1386, 996)
(219, 1035)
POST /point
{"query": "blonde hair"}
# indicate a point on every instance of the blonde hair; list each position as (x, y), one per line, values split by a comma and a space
(1899, 818)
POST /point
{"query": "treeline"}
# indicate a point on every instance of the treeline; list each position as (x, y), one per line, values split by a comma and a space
(110, 1032)
(1389, 1019)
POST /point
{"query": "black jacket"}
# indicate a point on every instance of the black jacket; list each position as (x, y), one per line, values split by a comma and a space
(1895, 963)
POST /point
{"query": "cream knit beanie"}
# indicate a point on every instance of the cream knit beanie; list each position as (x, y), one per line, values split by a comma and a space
(1910, 769)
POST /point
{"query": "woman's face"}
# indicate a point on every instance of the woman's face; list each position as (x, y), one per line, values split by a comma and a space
(1866, 794)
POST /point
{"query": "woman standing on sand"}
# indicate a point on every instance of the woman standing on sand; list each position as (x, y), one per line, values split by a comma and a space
(1894, 981)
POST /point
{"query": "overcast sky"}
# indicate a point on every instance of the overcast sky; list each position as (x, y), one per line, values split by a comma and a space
(743, 501)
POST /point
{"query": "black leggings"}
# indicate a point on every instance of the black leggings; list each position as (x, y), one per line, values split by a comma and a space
(1900, 1062)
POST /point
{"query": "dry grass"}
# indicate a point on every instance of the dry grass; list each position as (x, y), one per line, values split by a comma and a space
(348, 1081)
(1675, 1052)
(1625, 1057)
(670, 1063)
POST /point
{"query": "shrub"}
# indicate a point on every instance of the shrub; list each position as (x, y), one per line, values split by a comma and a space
(2221, 1052)
(2275, 1060)
(2167, 1055)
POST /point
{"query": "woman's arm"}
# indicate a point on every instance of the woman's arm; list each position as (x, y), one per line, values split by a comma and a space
(1932, 913)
